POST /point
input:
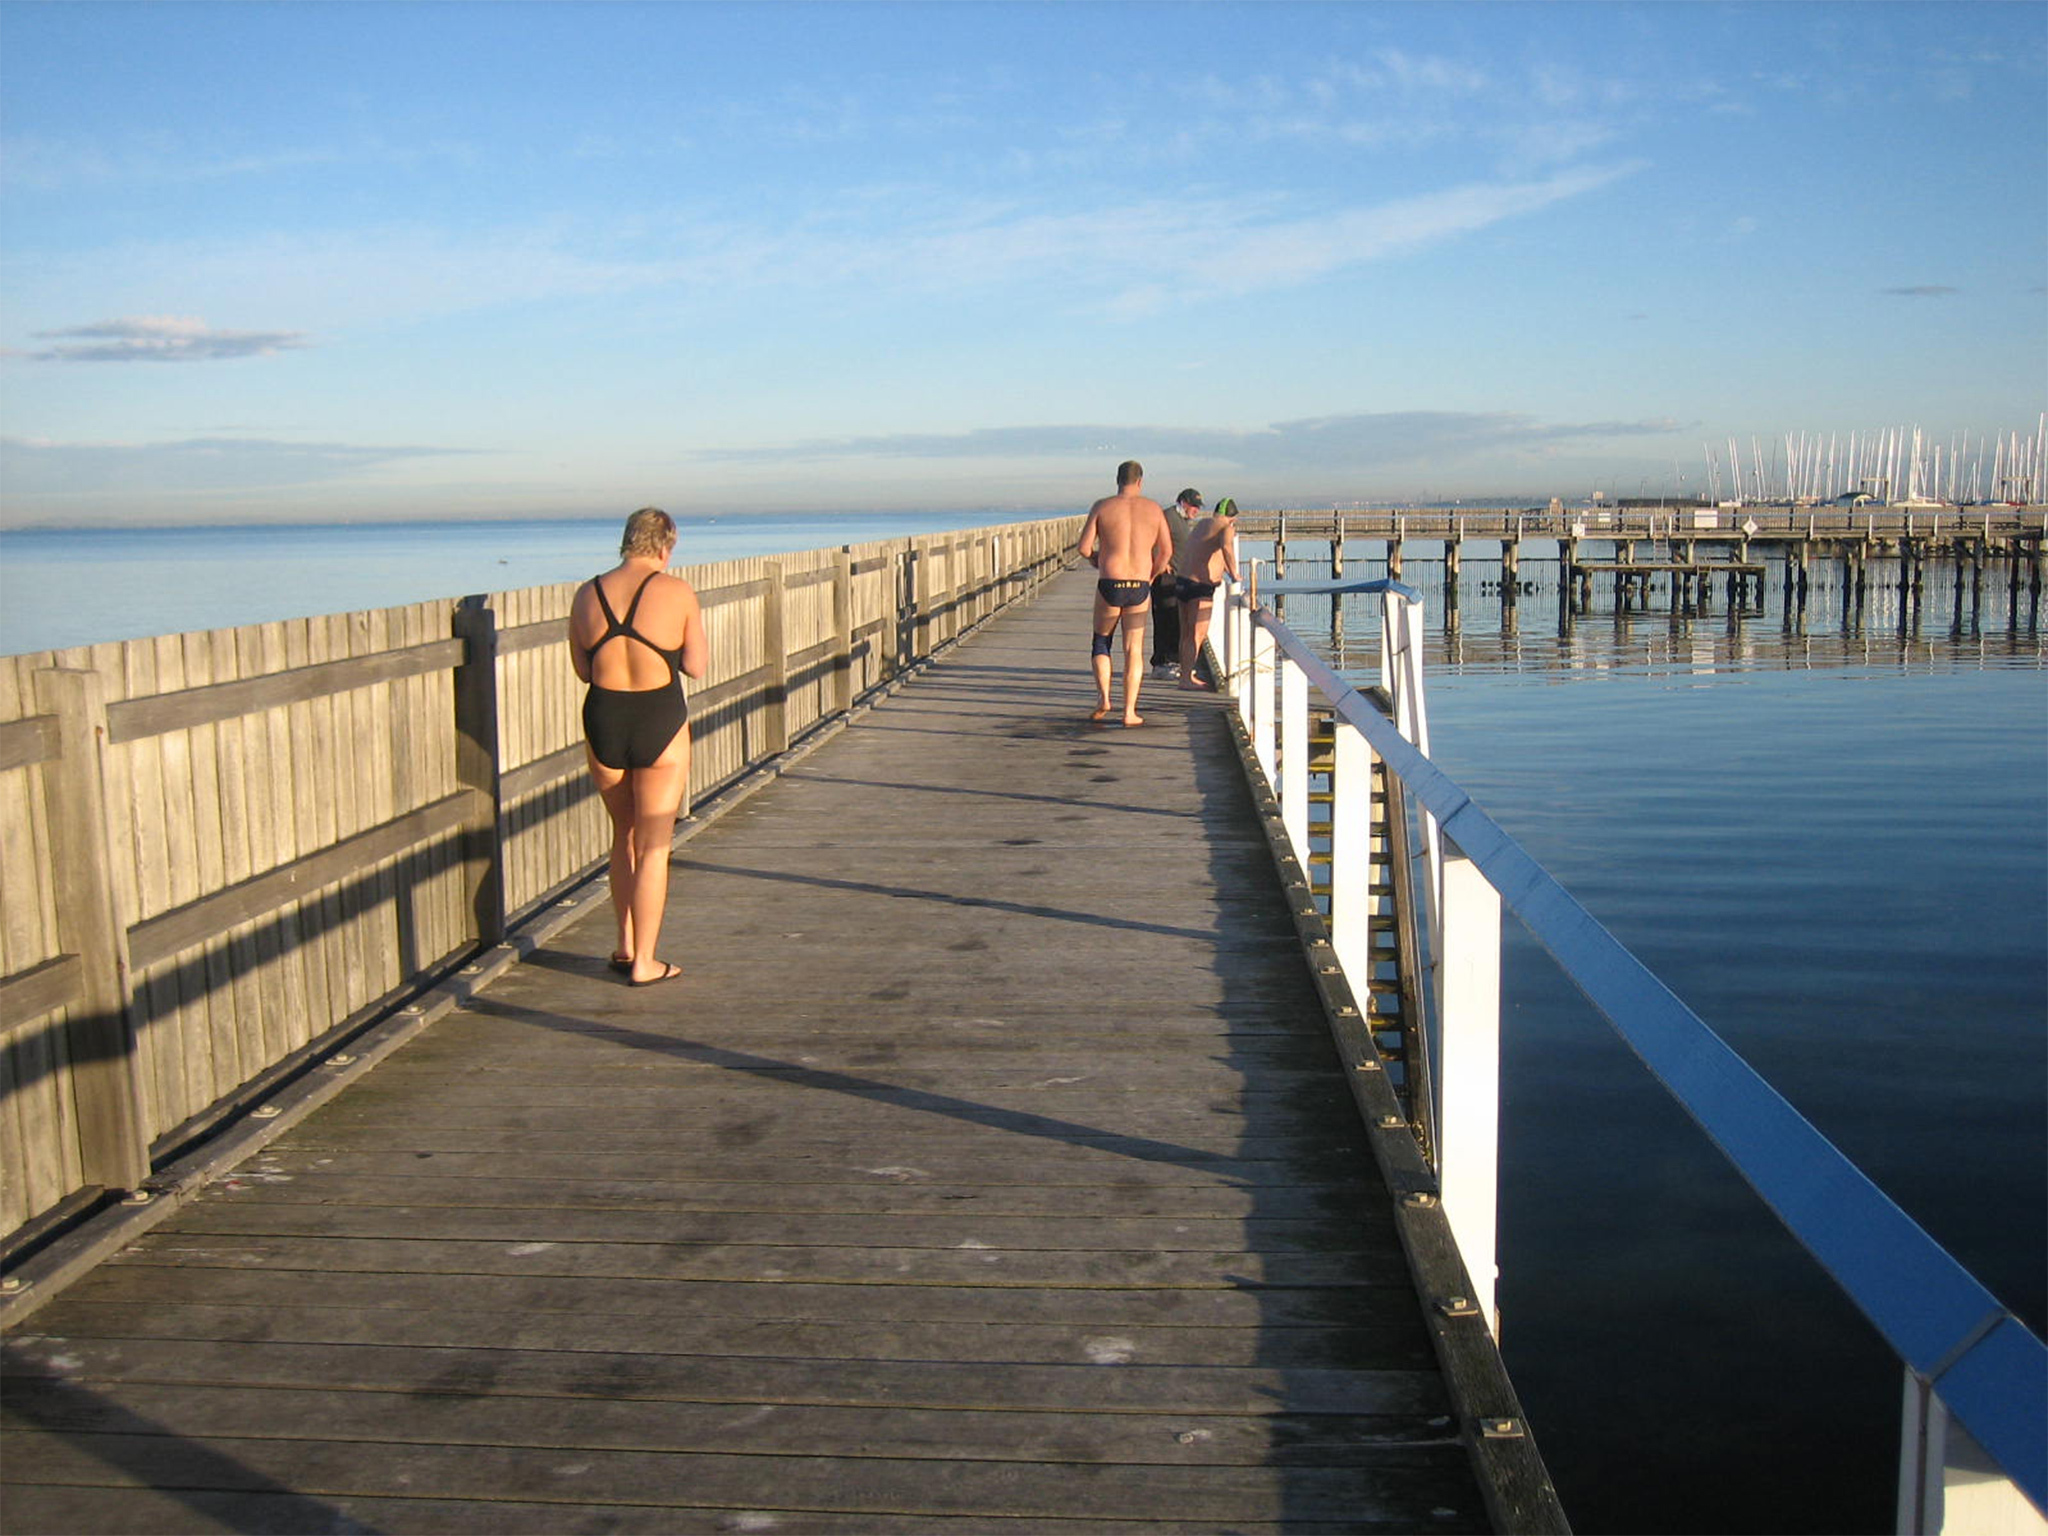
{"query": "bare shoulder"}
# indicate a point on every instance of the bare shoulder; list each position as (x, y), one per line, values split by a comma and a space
(583, 622)
(672, 591)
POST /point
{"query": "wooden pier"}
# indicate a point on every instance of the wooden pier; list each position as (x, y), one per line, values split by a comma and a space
(1688, 545)
(990, 1170)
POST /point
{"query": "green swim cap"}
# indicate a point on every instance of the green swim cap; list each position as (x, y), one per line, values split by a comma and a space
(1226, 508)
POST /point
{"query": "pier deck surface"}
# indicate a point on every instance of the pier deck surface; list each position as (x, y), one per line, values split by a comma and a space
(990, 1170)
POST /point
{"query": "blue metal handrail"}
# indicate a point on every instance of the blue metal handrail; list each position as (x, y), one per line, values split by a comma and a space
(1952, 1333)
(1326, 588)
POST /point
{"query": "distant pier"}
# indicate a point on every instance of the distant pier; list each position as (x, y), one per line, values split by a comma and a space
(1690, 547)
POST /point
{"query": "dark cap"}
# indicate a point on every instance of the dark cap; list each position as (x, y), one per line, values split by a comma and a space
(1190, 497)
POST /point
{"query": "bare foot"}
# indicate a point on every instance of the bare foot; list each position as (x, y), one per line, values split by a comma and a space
(1197, 687)
(1099, 713)
(1131, 720)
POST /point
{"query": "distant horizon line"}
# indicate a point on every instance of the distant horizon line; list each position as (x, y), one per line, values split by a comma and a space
(1003, 514)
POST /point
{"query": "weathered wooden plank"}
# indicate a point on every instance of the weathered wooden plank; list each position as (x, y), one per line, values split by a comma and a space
(978, 1230)
(199, 703)
(1198, 1187)
(96, 1094)
(292, 992)
(136, 1290)
(207, 918)
(774, 1109)
(654, 1376)
(953, 1148)
(1059, 1081)
(352, 1186)
(24, 742)
(1390, 1487)
(941, 1152)
(990, 1266)
(1357, 1343)
(147, 1512)
(1277, 1438)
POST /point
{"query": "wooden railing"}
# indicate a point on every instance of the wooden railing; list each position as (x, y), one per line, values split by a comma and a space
(1766, 521)
(220, 852)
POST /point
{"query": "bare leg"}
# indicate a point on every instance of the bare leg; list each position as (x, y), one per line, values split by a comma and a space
(1194, 629)
(1134, 661)
(616, 792)
(1104, 622)
(642, 804)
(657, 796)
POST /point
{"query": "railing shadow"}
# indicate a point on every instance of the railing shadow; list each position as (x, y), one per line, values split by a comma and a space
(225, 1493)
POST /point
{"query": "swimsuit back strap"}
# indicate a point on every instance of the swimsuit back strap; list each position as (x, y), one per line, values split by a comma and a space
(611, 619)
(634, 606)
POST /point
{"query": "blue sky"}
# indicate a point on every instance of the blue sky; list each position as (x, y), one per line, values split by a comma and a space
(387, 260)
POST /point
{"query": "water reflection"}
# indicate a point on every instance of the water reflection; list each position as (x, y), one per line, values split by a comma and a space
(1921, 618)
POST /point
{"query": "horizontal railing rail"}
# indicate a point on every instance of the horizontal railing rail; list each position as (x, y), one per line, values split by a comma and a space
(1965, 1352)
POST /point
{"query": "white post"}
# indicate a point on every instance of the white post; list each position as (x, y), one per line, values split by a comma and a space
(1241, 645)
(1922, 1430)
(1401, 652)
(1946, 1480)
(1468, 1080)
(1351, 871)
(1260, 697)
(1294, 756)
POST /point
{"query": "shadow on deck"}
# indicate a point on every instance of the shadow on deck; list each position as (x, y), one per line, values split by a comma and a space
(990, 1170)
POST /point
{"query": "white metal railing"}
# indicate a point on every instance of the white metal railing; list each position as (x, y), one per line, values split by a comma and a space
(1966, 1356)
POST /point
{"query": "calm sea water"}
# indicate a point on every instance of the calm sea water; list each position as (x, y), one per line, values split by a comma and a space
(62, 587)
(1829, 835)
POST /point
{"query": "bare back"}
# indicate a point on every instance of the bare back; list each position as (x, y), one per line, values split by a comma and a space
(667, 619)
(1211, 550)
(1127, 537)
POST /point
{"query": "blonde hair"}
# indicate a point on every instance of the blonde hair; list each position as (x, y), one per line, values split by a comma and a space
(650, 531)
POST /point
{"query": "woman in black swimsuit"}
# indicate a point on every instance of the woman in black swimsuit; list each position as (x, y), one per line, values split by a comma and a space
(634, 634)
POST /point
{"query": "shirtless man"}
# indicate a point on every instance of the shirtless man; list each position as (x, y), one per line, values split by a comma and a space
(1211, 555)
(1127, 541)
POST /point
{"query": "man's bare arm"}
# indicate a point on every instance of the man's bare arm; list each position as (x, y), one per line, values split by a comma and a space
(1230, 550)
(1091, 530)
(1162, 547)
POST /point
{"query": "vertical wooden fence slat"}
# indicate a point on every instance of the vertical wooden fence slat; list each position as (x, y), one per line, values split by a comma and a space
(232, 796)
(112, 1149)
(842, 629)
(477, 769)
(209, 967)
(775, 646)
(295, 990)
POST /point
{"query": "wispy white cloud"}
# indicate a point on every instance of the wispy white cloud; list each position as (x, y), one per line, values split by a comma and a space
(1922, 291)
(1347, 443)
(50, 163)
(1121, 260)
(1289, 251)
(42, 467)
(160, 339)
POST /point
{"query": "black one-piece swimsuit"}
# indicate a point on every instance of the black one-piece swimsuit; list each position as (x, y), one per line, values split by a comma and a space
(632, 727)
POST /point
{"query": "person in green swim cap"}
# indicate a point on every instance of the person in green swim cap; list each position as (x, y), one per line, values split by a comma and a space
(1211, 555)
